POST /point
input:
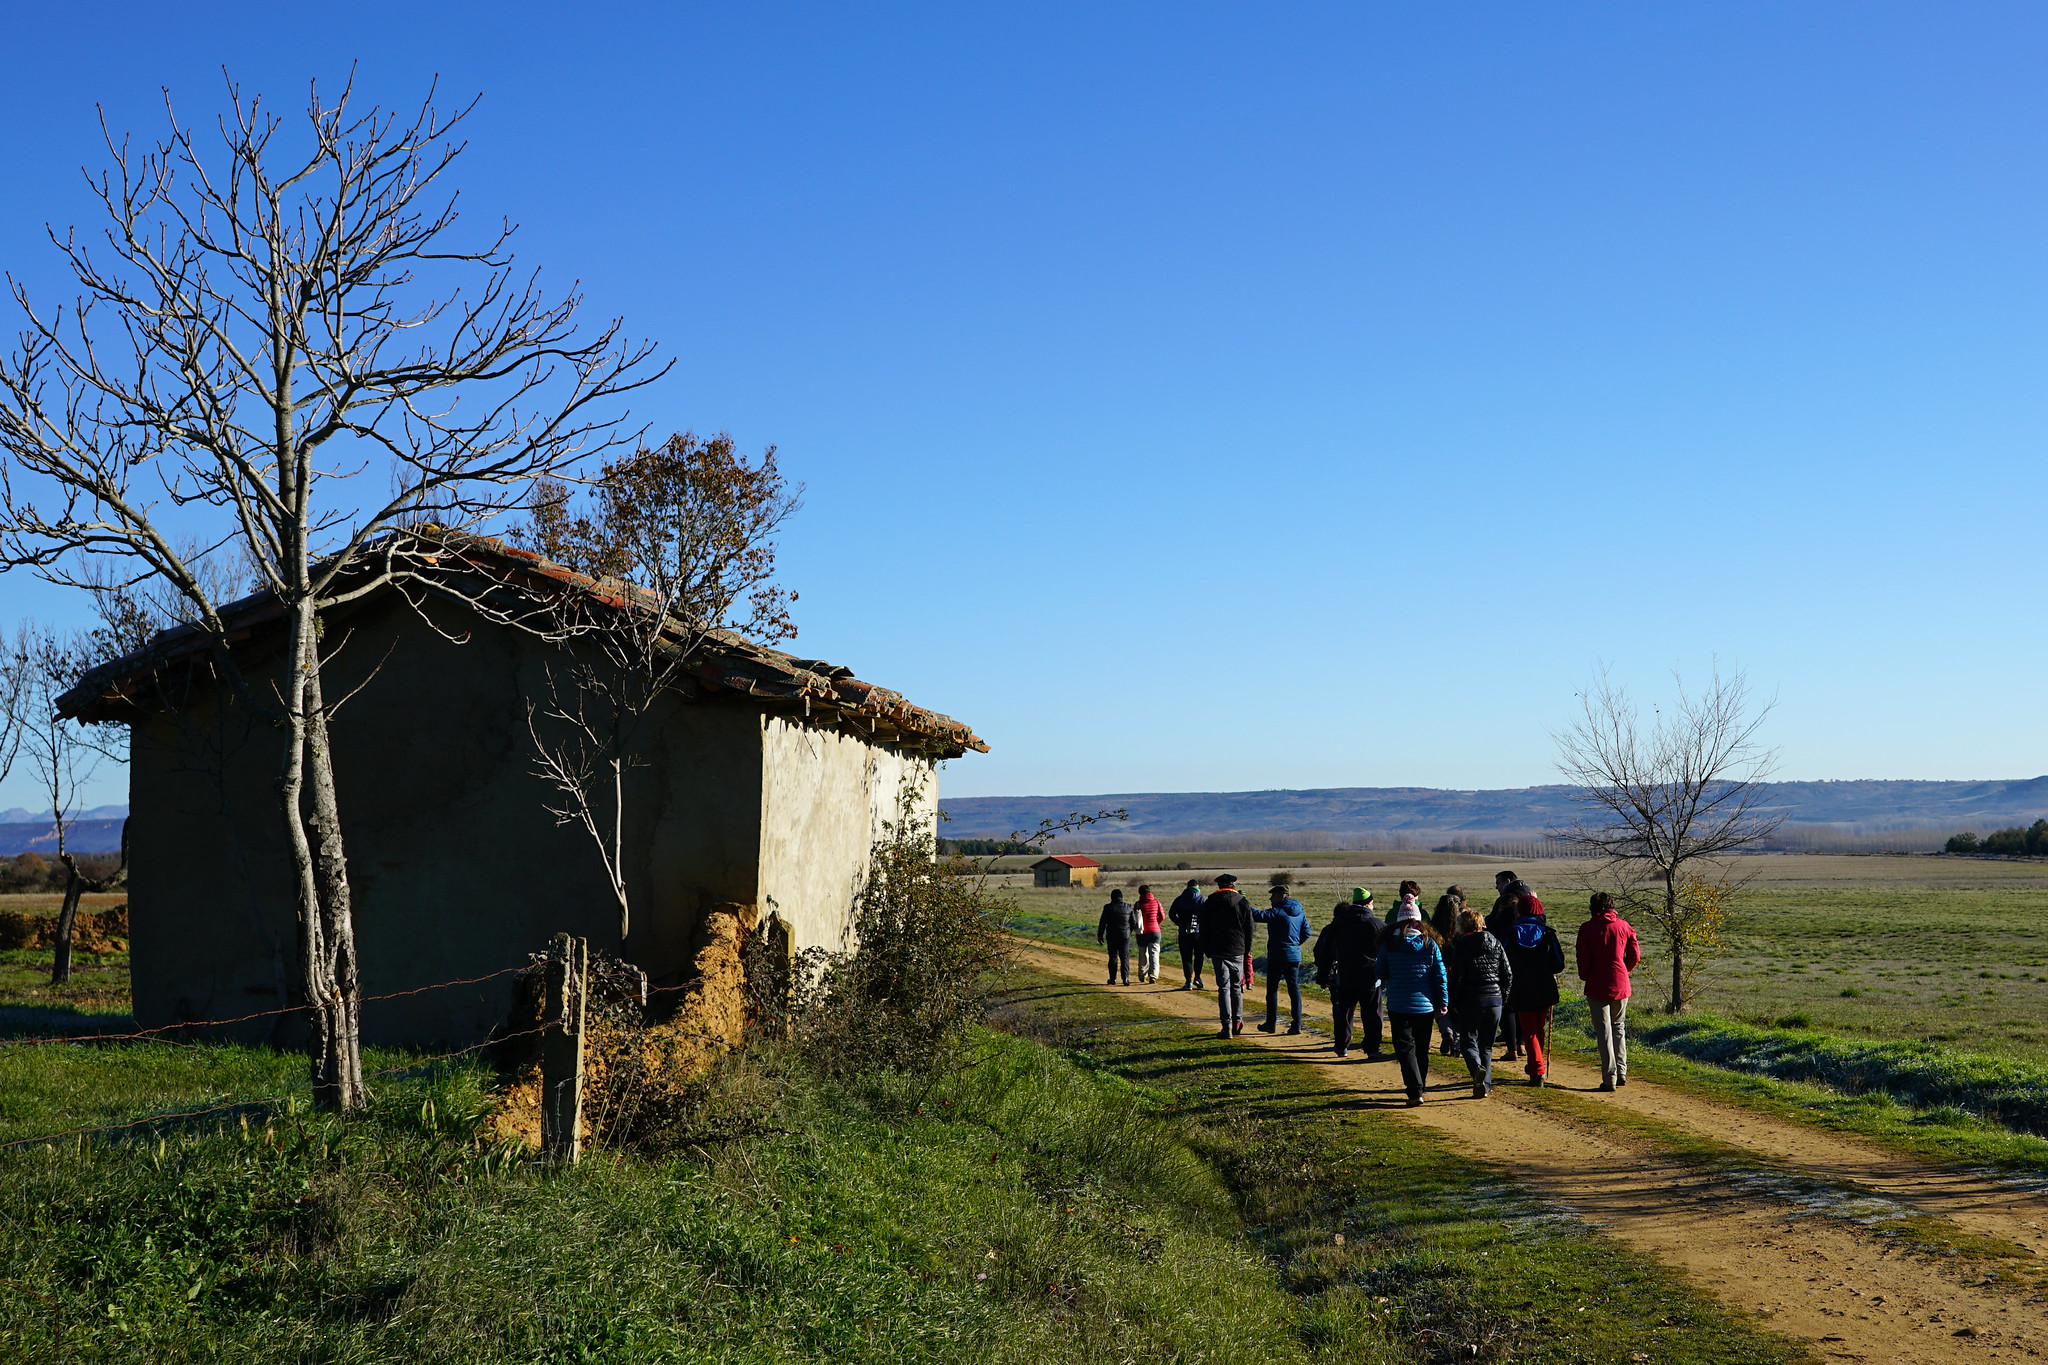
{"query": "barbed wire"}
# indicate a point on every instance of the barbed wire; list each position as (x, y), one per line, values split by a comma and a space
(272, 1101)
(46, 1039)
(267, 1101)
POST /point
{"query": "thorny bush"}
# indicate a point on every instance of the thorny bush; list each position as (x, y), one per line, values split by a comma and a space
(928, 944)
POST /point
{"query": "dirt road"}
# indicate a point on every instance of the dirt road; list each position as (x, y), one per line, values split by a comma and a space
(1784, 1238)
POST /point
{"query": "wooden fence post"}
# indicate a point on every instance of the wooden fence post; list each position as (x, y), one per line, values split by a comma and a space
(561, 1054)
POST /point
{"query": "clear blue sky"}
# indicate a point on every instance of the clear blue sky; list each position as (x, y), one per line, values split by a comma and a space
(1279, 396)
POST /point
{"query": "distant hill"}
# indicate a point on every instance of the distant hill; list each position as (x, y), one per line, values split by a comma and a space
(18, 815)
(1818, 814)
(40, 836)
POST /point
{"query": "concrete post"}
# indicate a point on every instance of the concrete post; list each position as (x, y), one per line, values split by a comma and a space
(561, 1055)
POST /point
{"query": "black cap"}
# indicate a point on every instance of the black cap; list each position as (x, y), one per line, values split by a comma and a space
(1226, 880)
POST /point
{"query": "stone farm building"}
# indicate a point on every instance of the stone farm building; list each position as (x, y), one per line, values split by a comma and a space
(1065, 869)
(766, 781)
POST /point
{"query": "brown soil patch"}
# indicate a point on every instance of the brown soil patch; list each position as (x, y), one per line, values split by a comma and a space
(93, 931)
(1757, 1248)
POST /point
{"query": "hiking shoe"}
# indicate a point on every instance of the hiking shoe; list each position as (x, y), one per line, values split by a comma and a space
(1607, 1087)
(1415, 1101)
(1536, 1081)
(1478, 1092)
(1295, 1029)
(1266, 1028)
(1341, 1053)
(1225, 1033)
(1621, 1080)
(1237, 1027)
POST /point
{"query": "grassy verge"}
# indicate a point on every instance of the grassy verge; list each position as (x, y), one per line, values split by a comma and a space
(95, 997)
(1946, 1135)
(2004, 1090)
(1100, 1187)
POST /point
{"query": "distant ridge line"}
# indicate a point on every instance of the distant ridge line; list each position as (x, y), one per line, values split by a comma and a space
(1884, 813)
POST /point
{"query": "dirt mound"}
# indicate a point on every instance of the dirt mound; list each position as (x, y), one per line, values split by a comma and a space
(94, 931)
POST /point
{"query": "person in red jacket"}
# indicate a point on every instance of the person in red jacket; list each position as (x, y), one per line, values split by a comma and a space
(1150, 913)
(1607, 950)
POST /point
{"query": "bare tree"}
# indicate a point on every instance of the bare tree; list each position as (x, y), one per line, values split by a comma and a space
(1655, 801)
(686, 534)
(14, 686)
(64, 754)
(258, 326)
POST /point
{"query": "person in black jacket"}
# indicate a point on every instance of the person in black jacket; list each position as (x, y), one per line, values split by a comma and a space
(1444, 919)
(1186, 914)
(1345, 956)
(1117, 927)
(1227, 938)
(1536, 958)
(1481, 979)
(1500, 922)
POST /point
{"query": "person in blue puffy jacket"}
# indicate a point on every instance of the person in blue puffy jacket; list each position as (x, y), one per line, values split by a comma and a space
(1411, 972)
(1287, 928)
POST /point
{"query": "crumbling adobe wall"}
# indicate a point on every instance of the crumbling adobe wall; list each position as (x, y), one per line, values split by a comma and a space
(707, 1020)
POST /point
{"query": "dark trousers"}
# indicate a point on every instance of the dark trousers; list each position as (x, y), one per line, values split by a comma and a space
(1478, 1022)
(1277, 972)
(1510, 1032)
(1190, 960)
(1343, 1001)
(1120, 954)
(1412, 1035)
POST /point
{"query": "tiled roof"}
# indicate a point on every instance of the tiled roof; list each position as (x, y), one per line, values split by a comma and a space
(1070, 859)
(822, 693)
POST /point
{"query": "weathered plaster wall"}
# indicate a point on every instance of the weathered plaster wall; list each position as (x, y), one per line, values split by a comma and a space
(457, 868)
(824, 798)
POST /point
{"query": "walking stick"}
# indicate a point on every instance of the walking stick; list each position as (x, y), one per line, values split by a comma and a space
(1548, 1015)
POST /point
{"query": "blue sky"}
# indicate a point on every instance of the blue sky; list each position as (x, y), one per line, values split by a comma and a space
(1242, 397)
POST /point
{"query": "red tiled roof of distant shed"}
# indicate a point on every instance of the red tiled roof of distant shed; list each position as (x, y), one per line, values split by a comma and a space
(1070, 859)
(725, 662)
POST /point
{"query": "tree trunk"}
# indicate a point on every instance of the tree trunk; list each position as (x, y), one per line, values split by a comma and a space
(67, 920)
(1677, 945)
(618, 851)
(326, 1035)
(344, 1059)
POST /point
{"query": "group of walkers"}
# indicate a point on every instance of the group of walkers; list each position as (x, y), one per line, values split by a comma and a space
(1466, 980)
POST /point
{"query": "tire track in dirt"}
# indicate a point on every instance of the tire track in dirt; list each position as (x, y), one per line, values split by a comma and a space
(1807, 1276)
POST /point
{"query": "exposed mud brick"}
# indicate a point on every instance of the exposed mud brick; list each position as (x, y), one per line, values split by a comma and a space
(708, 1020)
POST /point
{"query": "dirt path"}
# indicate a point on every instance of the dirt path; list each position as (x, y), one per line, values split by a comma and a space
(1765, 1246)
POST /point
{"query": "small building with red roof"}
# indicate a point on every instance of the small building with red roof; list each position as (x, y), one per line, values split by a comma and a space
(1065, 869)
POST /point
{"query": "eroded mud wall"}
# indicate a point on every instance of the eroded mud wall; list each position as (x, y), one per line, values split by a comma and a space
(824, 798)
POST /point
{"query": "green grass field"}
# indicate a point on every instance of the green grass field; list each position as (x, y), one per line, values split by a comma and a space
(1099, 1186)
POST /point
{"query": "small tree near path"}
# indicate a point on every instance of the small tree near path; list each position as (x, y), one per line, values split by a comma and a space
(1656, 801)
